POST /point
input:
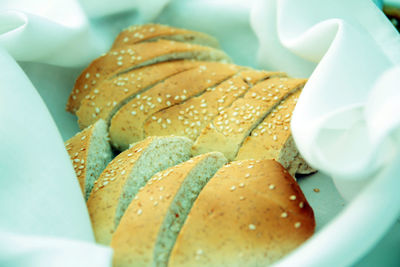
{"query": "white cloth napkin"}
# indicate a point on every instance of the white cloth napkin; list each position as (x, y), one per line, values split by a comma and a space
(345, 123)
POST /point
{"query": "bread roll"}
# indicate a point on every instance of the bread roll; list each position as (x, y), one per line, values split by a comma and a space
(153, 32)
(134, 56)
(152, 221)
(228, 130)
(272, 138)
(110, 95)
(251, 213)
(190, 117)
(127, 124)
(90, 152)
(125, 175)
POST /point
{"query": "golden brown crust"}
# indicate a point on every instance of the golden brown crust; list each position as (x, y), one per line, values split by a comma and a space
(152, 32)
(136, 235)
(251, 213)
(189, 118)
(78, 149)
(103, 201)
(229, 129)
(125, 58)
(104, 100)
(271, 139)
(127, 124)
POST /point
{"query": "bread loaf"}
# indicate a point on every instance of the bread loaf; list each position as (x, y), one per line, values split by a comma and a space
(127, 124)
(251, 213)
(90, 152)
(110, 95)
(152, 221)
(272, 138)
(125, 175)
(153, 32)
(228, 130)
(135, 56)
(150, 88)
(190, 117)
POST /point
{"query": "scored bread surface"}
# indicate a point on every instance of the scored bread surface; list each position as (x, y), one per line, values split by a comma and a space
(122, 59)
(90, 152)
(251, 213)
(152, 32)
(190, 117)
(228, 130)
(109, 95)
(127, 124)
(272, 139)
(149, 227)
(123, 177)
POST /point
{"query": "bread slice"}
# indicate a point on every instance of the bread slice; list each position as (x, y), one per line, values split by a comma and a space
(134, 56)
(251, 213)
(272, 138)
(127, 124)
(153, 32)
(229, 129)
(300, 166)
(110, 95)
(148, 230)
(190, 117)
(126, 174)
(90, 152)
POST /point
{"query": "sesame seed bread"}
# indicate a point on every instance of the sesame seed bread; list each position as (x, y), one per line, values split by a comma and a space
(90, 152)
(229, 129)
(252, 77)
(272, 138)
(134, 56)
(148, 230)
(127, 124)
(125, 175)
(190, 117)
(251, 213)
(152, 32)
(110, 95)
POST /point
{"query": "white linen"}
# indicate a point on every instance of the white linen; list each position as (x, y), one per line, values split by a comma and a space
(345, 123)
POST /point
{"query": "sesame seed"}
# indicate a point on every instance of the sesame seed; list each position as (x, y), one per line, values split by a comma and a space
(241, 185)
(133, 113)
(284, 215)
(77, 160)
(105, 183)
(123, 172)
(168, 103)
(292, 197)
(87, 75)
(250, 166)
(140, 211)
(233, 188)
(119, 63)
(161, 188)
(83, 137)
(271, 187)
(241, 198)
(297, 225)
(247, 175)
(301, 204)
(274, 137)
(252, 227)
(199, 252)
